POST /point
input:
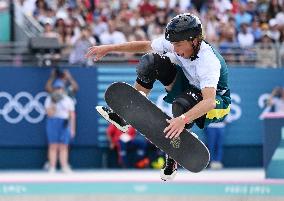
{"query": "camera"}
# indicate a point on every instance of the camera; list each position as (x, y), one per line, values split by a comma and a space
(59, 73)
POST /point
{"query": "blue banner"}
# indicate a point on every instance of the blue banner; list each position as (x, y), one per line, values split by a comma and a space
(250, 87)
(22, 116)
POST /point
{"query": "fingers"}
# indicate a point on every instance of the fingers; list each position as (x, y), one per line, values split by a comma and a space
(91, 51)
(168, 127)
(173, 129)
(97, 57)
(171, 133)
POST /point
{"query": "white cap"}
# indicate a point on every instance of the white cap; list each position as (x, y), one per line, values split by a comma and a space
(272, 22)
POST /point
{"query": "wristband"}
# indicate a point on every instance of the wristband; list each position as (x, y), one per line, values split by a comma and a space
(184, 118)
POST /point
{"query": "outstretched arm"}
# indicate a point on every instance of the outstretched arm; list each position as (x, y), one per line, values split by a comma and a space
(135, 46)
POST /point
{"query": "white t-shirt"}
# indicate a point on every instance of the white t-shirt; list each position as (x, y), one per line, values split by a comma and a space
(63, 107)
(245, 39)
(201, 72)
(112, 38)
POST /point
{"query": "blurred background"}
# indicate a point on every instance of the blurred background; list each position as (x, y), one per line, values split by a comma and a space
(42, 48)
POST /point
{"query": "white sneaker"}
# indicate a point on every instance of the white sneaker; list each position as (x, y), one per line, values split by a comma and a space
(216, 165)
(67, 169)
(51, 170)
(170, 170)
(113, 118)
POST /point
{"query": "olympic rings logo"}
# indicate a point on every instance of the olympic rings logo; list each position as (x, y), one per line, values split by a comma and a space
(14, 105)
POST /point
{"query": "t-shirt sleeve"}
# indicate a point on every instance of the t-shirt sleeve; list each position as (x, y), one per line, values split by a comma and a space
(209, 74)
(161, 45)
(71, 105)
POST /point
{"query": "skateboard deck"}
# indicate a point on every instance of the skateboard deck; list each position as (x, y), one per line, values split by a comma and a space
(150, 121)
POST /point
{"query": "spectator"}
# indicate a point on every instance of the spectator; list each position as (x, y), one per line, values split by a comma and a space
(129, 19)
(70, 85)
(215, 136)
(123, 142)
(27, 6)
(80, 47)
(242, 17)
(60, 29)
(146, 8)
(137, 20)
(251, 8)
(276, 100)
(211, 26)
(40, 9)
(112, 36)
(222, 6)
(266, 52)
(262, 14)
(49, 31)
(255, 30)
(68, 35)
(99, 26)
(273, 8)
(273, 31)
(245, 38)
(280, 17)
(60, 126)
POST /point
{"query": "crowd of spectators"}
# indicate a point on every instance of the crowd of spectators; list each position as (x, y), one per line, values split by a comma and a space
(227, 23)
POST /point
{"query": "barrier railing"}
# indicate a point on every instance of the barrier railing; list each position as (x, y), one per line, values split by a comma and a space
(28, 24)
(259, 55)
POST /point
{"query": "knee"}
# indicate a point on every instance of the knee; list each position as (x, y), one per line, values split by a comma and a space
(146, 72)
(184, 103)
(63, 147)
(53, 147)
(181, 105)
(154, 67)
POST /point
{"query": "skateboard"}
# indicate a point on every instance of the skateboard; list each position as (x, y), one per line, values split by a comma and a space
(150, 121)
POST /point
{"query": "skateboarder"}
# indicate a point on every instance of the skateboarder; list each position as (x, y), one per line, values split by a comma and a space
(194, 74)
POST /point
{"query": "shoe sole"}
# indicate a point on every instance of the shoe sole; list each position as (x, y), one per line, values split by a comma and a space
(106, 117)
(168, 177)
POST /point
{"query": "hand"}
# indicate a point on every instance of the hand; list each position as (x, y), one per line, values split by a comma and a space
(67, 74)
(98, 51)
(53, 74)
(175, 127)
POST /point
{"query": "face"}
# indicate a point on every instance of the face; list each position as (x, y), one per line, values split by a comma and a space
(183, 48)
(58, 90)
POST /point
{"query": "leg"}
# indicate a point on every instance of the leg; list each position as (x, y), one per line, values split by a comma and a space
(154, 67)
(151, 67)
(52, 156)
(140, 146)
(63, 157)
(185, 102)
(215, 147)
(180, 105)
(211, 139)
(52, 130)
(219, 144)
(122, 154)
